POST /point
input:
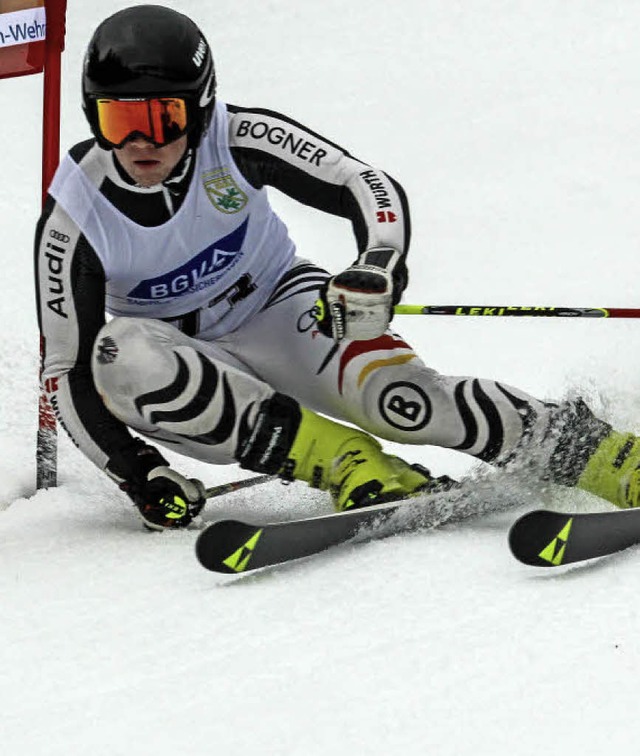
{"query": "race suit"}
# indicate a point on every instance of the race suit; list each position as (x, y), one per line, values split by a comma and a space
(214, 311)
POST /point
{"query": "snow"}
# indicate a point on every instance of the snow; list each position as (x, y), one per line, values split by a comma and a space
(513, 124)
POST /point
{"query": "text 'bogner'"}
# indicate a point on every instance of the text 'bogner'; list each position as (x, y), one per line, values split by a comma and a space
(286, 140)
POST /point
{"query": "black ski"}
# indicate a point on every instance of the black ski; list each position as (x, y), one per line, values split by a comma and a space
(236, 546)
(550, 539)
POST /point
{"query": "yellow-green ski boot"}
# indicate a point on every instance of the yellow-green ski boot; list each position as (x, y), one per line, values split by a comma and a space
(298, 444)
(613, 470)
(350, 464)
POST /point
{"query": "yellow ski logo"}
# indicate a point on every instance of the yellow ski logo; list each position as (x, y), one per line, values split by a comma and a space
(554, 552)
(239, 560)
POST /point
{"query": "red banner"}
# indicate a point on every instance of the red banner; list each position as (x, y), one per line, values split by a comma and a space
(22, 34)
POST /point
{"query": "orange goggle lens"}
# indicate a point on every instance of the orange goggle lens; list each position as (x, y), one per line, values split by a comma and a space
(159, 119)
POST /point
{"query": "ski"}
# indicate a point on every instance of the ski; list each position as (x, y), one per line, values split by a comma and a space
(237, 546)
(543, 538)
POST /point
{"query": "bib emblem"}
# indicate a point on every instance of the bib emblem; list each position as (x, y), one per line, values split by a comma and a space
(225, 195)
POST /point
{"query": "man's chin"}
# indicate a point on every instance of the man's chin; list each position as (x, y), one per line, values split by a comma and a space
(147, 183)
(146, 174)
(148, 178)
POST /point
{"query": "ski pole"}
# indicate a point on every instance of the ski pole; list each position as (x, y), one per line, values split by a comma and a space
(236, 485)
(506, 311)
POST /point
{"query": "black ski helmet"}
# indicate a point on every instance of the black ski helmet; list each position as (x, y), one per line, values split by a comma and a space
(150, 51)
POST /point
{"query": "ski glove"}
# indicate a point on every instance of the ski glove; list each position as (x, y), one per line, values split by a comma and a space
(358, 303)
(164, 498)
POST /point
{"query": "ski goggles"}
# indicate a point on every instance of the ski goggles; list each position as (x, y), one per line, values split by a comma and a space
(161, 120)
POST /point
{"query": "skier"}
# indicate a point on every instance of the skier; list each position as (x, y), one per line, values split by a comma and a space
(224, 345)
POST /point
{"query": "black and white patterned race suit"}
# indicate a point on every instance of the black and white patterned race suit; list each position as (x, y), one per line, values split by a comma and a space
(213, 311)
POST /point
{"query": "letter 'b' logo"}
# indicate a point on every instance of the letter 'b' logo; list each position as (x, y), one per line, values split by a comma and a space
(405, 406)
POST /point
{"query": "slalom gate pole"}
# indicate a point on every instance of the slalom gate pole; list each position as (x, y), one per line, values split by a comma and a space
(506, 311)
(47, 436)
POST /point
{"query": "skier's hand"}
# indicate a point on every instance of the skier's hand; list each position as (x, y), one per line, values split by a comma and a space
(164, 498)
(358, 303)
(168, 499)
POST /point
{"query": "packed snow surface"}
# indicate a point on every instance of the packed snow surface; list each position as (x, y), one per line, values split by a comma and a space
(515, 128)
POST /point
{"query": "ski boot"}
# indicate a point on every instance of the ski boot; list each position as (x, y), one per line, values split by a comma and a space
(589, 454)
(613, 470)
(298, 444)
